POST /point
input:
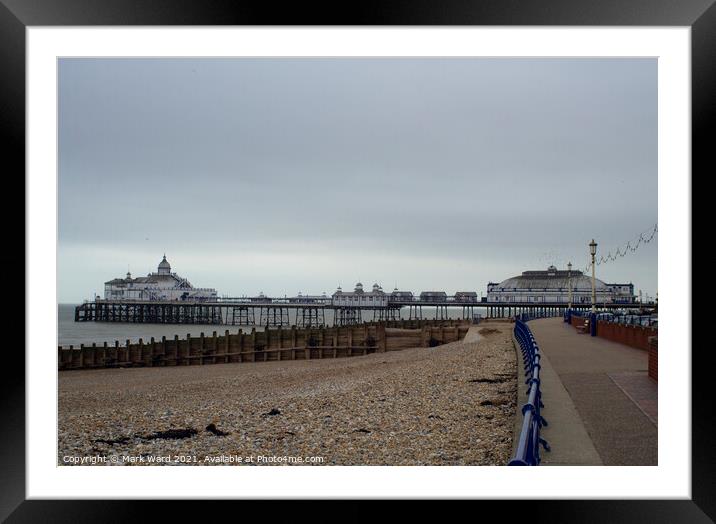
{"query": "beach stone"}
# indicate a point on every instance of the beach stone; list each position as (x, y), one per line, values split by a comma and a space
(410, 407)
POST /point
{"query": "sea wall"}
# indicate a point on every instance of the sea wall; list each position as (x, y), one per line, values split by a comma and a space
(577, 321)
(262, 346)
(633, 336)
(654, 358)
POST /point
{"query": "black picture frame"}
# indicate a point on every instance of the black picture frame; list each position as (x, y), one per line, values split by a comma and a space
(16, 15)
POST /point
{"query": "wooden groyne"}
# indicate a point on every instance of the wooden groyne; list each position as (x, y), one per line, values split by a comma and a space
(263, 346)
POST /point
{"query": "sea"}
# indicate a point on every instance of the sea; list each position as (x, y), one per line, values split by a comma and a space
(76, 333)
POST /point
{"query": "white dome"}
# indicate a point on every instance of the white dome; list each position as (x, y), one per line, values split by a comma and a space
(550, 279)
(164, 268)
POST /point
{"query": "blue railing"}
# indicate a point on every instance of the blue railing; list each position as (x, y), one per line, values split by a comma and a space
(527, 453)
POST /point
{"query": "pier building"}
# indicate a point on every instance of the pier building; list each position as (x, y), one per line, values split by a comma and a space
(465, 296)
(360, 298)
(433, 296)
(162, 285)
(308, 299)
(551, 286)
(401, 296)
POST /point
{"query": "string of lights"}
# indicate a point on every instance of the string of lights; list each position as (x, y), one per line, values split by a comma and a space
(631, 246)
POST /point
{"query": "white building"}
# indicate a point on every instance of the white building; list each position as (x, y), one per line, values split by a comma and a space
(162, 285)
(552, 287)
(308, 299)
(359, 298)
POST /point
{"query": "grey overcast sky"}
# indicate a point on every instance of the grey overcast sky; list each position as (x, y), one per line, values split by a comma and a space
(288, 175)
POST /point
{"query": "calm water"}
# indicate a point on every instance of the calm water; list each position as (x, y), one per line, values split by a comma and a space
(71, 332)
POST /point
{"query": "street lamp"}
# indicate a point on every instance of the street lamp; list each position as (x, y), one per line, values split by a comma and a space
(593, 251)
(569, 284)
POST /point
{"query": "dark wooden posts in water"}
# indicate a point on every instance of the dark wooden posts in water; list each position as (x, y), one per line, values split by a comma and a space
(310, 316)
(274, 316)
(415, 312)
(346, 316)
(150, 313)
(386, 313)
(278, 344)
(242, 316)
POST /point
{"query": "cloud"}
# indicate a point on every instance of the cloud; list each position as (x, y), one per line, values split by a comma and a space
(296, 173)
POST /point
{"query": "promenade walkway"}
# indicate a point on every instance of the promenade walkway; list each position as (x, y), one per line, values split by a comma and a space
(599, 402)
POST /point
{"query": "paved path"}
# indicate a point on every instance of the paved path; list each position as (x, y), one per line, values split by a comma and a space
(605, 385)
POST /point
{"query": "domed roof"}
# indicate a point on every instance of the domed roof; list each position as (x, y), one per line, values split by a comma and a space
(164, 264)
(550, 279)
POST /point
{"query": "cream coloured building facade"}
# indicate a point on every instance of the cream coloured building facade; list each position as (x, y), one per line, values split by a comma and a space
(162, 285)
(360, 298)
(552, 287)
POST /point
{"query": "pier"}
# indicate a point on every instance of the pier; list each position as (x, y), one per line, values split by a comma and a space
(286, 312)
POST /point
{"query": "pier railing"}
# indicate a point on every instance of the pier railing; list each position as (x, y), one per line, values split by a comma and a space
(529, 441)
(629, 320)
(549, 313)
(629, 329)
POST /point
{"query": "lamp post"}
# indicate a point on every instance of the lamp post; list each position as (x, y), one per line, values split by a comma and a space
(569, 285)
(593, 251)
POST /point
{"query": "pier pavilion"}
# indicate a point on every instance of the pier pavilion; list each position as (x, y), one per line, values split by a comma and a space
(162, 285)
(552, 287)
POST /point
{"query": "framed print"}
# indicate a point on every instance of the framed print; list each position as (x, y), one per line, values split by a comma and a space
(397, 253)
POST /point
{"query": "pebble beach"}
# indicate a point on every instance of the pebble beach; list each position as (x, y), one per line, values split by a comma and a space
(452, 405)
